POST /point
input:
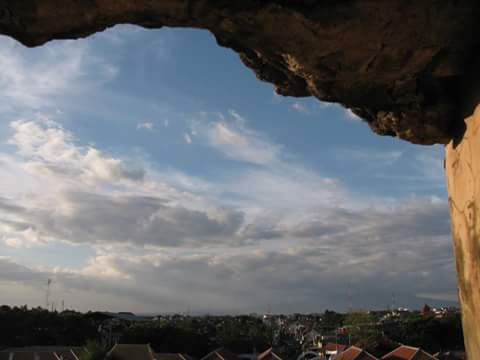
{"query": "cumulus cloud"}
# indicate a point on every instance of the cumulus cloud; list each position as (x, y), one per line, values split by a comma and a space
(156, 245)
(94, 218)
(275, 229)
(310, 276)
(81, 206)
(50, 149)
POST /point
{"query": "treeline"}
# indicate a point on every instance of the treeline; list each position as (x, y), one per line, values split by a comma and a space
(431, 333)
(20, 326)
(198, 336)
(428, 332)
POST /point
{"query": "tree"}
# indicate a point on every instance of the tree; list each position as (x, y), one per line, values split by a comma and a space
(364, 331)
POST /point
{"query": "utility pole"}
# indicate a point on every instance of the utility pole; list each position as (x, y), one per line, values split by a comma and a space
(47, 295)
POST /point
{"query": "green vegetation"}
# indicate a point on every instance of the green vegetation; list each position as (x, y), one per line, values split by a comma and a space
(20, 326)
(429, 332)
(94, 351)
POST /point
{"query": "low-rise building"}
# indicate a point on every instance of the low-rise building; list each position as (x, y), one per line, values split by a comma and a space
(405, 352)
(330, 349)
(131, 352)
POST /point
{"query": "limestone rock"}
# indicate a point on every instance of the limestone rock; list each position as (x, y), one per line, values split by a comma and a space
(398, 64)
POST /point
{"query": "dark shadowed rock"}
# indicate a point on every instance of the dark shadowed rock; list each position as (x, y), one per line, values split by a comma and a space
(398, 64)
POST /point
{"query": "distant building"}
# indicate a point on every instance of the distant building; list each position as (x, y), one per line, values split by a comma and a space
(311, 338)
(404, 352)
(355, 353)
(426, 310)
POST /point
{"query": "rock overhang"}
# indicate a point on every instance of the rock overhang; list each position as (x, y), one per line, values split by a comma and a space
(400, 65)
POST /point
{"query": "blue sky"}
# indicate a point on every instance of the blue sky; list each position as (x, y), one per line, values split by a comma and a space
(149, 170)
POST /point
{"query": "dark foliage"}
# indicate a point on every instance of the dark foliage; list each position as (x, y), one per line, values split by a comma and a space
(20, 326)
(430, 333)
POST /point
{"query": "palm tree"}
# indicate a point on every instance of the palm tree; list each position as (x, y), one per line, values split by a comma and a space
(93, 351)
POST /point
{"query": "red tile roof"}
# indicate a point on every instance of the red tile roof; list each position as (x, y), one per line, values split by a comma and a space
(46, 356)
(172, 356)
(334, 346)
(220, 354)
(355, 353)
(24, 355)
(131, 352)
(268, 354)
(67, 355)
(404, 352)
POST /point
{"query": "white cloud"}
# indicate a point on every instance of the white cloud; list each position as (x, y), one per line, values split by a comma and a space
(146, 126)
(236, 141)
(64, 68)
(351, 115)
(429, 163)
(92, 197)
(378, 158)
(254, 279)
(187, 138)
(450, 297)
(50, 149)
(301, 108)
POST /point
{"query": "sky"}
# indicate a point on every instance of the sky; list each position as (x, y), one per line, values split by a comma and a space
(150, 171)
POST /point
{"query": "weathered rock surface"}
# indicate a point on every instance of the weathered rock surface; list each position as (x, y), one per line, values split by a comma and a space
(463, 178)
(398, 64)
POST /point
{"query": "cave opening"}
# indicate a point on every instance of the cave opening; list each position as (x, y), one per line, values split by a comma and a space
(400, 82)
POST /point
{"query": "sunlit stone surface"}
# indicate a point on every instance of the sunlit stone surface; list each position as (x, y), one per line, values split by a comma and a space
(462, 165)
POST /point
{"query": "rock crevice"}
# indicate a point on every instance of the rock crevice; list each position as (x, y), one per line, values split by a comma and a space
(400, 65)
